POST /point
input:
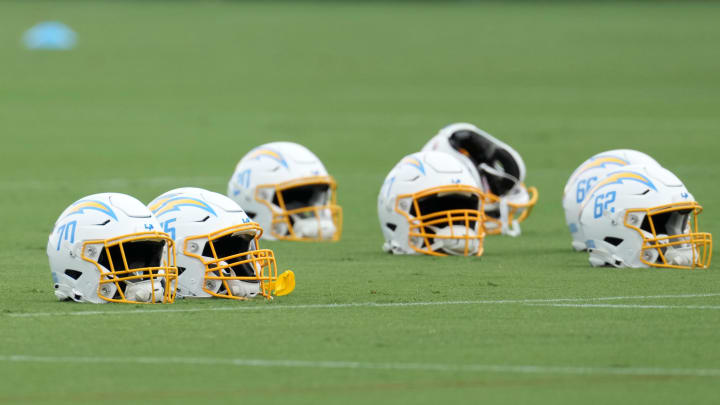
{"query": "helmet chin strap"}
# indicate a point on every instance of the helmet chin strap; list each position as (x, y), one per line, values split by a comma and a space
(142, 291)
(280, 228)
(240, 288)
(314, 227)
(455, 246)
(510, 228)
(678, 255)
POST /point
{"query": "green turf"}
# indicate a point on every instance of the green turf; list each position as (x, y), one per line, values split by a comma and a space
(165, 94)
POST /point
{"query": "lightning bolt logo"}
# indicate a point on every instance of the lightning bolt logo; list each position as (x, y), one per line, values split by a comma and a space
(414, 163)
(269, 153)
(81, 206)
(602, 161)
(619, 178)
(161, 200)
(165, 205)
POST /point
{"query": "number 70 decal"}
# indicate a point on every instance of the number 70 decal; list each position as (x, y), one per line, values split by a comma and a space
(65, 233)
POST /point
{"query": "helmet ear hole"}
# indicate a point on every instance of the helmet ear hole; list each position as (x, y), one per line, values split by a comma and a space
(613, 241)
(73, 274)
(391, 226)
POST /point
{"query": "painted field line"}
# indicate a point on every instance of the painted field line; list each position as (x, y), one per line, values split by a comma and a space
(242, 307)
(481, 368)
(626, 306)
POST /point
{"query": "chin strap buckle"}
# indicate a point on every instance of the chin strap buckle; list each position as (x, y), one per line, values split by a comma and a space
(507, 227)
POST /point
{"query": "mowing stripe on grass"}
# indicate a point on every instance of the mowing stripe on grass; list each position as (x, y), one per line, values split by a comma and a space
(355, 305)
(25, 184)
(627, 306)
(481, 368)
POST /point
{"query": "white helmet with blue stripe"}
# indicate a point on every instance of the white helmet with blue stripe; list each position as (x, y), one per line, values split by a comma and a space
(643, 216)
(586, 176)
(108, 247)
(218, 253)
(430, 203)
(286, 189)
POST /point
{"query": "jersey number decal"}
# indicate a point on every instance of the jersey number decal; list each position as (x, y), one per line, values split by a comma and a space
(602, 204)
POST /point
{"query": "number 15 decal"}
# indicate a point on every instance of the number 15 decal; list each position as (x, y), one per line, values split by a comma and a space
(169, 229)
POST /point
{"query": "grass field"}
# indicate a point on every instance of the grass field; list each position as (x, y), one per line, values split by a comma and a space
(159, 95)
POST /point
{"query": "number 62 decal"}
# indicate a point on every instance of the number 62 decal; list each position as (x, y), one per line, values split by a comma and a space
(602, 204)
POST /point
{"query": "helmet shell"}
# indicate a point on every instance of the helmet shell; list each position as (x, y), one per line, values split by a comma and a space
(498, 169)
(423, 175)
(218, 250)
(267, 176)
(643, 216)
(79, 239)
(587, 175)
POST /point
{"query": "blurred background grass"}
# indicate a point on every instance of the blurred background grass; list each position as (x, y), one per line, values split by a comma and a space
(161, 94)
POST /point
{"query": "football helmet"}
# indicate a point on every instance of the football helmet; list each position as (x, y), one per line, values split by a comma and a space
(643, 216)
(430, 203)
(498, 169)
(108, 248)
(285, 188)
(586, 176)
(218, 251)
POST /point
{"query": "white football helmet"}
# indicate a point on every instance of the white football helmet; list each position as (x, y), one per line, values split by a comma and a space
(218, 250)
(430, 203)
(586, 176)
(499, 170)
(108, 248)
(643, 216)
(285, 188)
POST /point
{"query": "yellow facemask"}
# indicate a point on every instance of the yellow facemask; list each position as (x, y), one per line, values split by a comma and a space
(126, 267)
(464, 226)
(254, 265)
(317, 217)
(659, 249)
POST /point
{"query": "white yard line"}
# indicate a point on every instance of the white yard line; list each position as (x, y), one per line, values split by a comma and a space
(626, 306)
(478, 368)
(644, 297)
(241, 307)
